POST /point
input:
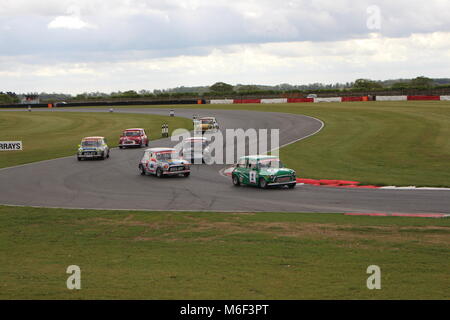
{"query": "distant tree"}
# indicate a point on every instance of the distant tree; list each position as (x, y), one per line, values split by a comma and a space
(221, 87)
(247, 88)
(366, 84)
(400, 85)
(421, 82)
(9, 97)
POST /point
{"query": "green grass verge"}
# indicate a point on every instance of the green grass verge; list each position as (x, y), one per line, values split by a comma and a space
(187, 255)
(381, 143)
(48, 135)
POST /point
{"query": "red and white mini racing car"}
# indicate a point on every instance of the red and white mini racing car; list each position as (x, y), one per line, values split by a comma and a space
(164, 162)
(133, 138)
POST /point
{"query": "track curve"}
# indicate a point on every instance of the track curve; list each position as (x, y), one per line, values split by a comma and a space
(116, 184)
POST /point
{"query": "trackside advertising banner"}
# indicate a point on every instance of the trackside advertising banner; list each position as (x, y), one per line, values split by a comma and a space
(11, 145)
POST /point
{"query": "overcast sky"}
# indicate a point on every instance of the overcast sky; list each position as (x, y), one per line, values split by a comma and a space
(108, 45)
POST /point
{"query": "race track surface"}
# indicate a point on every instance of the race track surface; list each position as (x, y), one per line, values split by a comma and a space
(115, 183)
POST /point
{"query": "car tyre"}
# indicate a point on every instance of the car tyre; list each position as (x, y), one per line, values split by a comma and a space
(236, 181)
(187, 174)
(79, 158)
(262, 183)
(159, 173)
(141, 167)
(292, 185)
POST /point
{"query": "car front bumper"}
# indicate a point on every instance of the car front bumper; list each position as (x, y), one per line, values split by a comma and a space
(172, 173)
(91, 155)
(281, 183)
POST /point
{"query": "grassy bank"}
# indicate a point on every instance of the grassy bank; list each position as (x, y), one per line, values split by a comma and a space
(47, 135)
(170, 255)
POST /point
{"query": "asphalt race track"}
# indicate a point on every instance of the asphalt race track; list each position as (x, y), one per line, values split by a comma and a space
(116, 183)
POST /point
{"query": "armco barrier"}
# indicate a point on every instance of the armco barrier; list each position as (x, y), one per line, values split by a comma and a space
(247, 101)
(424, 98)
(333, 99)
(349, 99)
(281, 100)
(391, 98)
(223, 101)
(297, 100)
(445, 98)
(112, 103)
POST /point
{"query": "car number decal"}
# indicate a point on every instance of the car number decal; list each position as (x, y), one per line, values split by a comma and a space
(252, 177)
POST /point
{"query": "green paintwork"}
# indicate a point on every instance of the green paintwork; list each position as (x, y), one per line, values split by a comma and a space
(250, 169)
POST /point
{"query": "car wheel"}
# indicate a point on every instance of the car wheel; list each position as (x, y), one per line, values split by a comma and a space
(102, 157)
(107, 154)
(262, 183)
(120, 147)
(141, 167)
(236, 181)
(146, 144)
(79, 158)
(292, 185)
(187, 174)
(159, 173)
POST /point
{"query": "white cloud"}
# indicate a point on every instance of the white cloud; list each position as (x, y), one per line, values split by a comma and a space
(68, 22)
(131, 44)
(71, 21)
(373, 57)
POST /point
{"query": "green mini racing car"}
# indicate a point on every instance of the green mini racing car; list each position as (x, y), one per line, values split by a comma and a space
(263, 171)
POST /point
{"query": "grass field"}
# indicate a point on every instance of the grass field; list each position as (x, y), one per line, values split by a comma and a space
(176, 255)
(47, 135)
(381, 143)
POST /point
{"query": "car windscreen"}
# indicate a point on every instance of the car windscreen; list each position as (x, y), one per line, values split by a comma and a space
(194, 144)
(166, 156)
(90, 143)
(270, 163)
(132, 133)
(207, 121)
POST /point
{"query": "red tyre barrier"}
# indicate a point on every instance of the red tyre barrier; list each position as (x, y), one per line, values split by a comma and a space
(348, 99)
(424, 98)
(295, 100)
(247, 101)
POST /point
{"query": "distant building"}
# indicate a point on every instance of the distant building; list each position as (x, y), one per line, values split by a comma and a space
(30, 99)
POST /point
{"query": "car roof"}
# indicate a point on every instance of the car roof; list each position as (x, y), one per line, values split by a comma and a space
(93, 138)
(159, 149)
(134, 129)
(195, 138)
(258, 157)
(207, 118)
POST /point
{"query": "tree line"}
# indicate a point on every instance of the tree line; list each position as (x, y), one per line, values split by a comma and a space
(222, 89)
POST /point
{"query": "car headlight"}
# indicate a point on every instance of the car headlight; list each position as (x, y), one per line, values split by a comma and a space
(166, 166)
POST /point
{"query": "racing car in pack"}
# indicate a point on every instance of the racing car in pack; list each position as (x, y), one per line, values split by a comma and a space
(206, 124)
(163, 162)
(262, 171)
(93, 147)
(196, 150)
(133, 138)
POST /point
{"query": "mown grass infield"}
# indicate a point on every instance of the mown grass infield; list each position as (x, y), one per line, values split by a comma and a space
(187, 255)
(49, 135)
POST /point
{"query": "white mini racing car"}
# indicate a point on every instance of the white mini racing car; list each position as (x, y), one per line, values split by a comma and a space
(163, 162)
